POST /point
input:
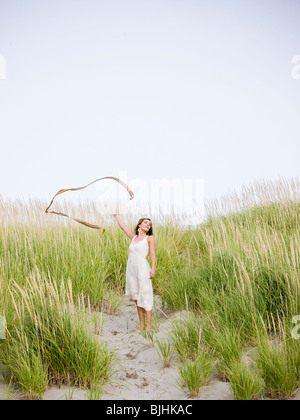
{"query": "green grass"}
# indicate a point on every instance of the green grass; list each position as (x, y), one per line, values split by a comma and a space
(165, 351)
(187, 338)
(194, 374)
(238, 275)
(279, 368)
(245, 382)
(50, 341)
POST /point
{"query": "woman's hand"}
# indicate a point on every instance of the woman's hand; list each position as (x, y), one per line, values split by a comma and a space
(152, 274)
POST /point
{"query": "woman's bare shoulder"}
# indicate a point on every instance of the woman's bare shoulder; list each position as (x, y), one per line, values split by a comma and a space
(151, 238)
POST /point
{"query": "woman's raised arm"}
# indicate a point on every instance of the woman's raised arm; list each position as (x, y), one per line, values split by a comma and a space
(122, 225)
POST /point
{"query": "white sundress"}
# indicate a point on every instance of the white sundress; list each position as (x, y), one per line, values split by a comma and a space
(138, 282)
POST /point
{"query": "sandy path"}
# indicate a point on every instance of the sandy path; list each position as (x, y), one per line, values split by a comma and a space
(140, 373)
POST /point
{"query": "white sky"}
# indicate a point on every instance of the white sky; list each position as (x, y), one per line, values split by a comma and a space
(168, 89)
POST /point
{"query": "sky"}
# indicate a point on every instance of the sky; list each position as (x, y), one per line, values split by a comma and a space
(204, 91)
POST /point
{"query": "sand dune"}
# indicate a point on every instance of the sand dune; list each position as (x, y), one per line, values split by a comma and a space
(140, 373)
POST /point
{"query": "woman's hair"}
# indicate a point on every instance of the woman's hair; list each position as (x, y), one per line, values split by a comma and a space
(150, 232)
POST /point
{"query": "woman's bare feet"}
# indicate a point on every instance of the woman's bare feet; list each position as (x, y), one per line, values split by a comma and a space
(141, 329)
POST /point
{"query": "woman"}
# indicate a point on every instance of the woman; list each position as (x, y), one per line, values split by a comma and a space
(138, 271)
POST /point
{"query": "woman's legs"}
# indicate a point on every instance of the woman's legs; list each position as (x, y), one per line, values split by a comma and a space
(141, 313)
(148, 320)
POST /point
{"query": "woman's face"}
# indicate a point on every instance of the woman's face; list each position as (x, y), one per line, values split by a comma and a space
(145, 225)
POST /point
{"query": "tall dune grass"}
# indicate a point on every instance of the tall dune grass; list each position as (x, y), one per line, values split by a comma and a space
(238, 273)
(241, 266)
(243, 270)
(49, 339)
